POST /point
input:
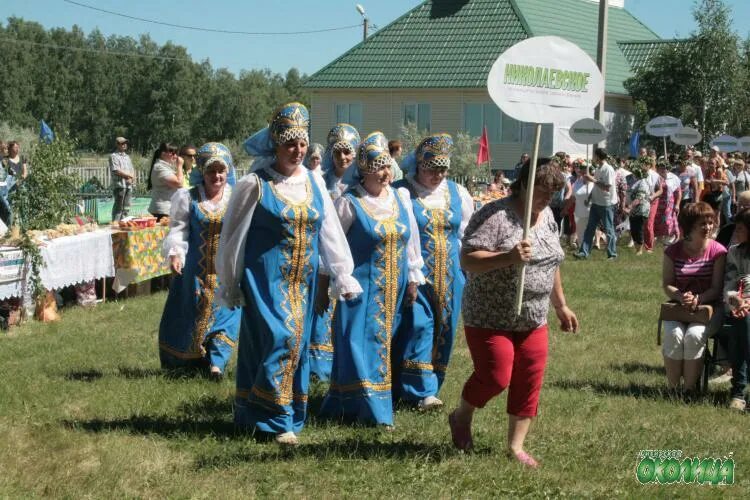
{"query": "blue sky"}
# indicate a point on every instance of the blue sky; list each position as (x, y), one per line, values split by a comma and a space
(308, 53)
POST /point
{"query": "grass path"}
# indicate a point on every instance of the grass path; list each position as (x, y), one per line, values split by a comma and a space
(86, 413)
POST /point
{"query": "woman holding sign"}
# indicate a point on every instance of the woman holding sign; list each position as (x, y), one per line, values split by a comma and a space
(509, 350)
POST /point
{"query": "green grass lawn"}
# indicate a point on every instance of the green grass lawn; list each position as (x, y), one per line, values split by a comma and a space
(86, 413)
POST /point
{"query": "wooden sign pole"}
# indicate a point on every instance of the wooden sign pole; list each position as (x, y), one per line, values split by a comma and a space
(527, 214)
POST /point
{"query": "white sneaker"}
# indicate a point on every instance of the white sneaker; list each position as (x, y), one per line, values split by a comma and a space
(737, 404)
(631, 244)
(722, 378)
(287, 439)
(429, 403)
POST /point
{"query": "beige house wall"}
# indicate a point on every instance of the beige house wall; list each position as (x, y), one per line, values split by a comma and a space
(383, 110)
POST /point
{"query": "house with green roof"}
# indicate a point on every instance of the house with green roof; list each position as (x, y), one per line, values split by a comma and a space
(430, 67)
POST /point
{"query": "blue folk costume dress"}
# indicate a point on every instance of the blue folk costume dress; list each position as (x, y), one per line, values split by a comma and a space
(361, 378)
(427, 330)
(194, 329)
(269, 258)
(342, 136)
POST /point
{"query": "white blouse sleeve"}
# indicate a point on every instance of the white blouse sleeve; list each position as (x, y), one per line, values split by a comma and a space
(414, 249)
(176, 242)
(345, 212)
(334, 249)
(467, 210)
(231, 254)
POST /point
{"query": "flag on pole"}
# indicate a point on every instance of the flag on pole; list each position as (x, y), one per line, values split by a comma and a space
(483, 155)
(45, 132)
(633, 146)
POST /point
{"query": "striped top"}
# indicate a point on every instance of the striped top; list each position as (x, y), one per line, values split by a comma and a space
(694, 274)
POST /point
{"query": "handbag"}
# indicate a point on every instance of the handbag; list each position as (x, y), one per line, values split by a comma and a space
(673, 311)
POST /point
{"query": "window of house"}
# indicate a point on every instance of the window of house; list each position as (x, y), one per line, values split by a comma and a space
(501, 128)
(350, 113)
(418, 113)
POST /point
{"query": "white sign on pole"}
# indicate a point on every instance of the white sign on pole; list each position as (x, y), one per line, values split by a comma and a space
(686, 136)
(726, 143)
(662, 126)
(539, 76)
(588, 131)
(539, 80)
(744, 144)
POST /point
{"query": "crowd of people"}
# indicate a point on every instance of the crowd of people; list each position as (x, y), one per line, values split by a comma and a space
(700, 208)
(333, 262)
(351, 262)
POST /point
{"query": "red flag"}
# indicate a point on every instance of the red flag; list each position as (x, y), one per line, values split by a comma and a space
(483, 155)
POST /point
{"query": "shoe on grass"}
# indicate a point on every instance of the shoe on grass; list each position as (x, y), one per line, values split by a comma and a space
(737, 404)
(287, 439)
(429, 403)
(723, 377)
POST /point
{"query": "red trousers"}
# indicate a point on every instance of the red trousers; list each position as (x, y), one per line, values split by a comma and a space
(506, 359)
(648, 229)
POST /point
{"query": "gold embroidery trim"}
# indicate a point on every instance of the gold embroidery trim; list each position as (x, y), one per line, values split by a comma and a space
(388, 253)
(207, 277)
(179, 354)
(438, 265)
(298, 217)
(416, 365)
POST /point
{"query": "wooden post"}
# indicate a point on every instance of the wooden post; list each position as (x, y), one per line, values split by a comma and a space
(601, 54)
(527, 214)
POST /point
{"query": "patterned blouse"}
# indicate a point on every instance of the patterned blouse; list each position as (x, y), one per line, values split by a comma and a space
(489, 298)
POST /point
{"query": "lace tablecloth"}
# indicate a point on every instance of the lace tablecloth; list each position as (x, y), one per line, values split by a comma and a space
(69, 260)
(11, 272)
(76, 259)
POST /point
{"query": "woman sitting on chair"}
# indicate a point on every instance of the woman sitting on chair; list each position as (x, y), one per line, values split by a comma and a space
(692, 275)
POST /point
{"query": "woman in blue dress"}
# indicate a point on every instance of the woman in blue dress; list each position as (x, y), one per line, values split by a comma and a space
(426, 331)
(280, 226)
(343, 140)
(383, 238)
(194, 329)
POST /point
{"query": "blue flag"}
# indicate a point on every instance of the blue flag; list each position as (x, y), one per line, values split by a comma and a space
(45, 132)
(634, 140)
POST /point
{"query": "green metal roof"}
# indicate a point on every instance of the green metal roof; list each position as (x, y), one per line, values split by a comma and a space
(448, 44)
(577, 21)
(639, 53)
(436, 44)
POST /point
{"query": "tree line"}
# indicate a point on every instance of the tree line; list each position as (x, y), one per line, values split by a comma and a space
(97, 88)
(703, 80)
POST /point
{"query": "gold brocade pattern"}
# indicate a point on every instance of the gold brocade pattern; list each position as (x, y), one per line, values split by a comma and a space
(327, 344)
(388, 255)
(416, 365)
(207, 276)
(299, 217)
(438, 265)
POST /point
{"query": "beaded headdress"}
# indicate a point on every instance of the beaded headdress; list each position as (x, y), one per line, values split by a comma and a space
(434, 152)
(373, 154)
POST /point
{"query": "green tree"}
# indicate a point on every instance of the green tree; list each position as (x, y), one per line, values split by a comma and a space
(702, 74)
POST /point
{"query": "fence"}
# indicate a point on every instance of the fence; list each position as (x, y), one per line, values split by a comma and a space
(92, 201)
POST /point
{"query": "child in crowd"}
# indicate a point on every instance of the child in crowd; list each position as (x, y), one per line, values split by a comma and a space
(639, 207)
